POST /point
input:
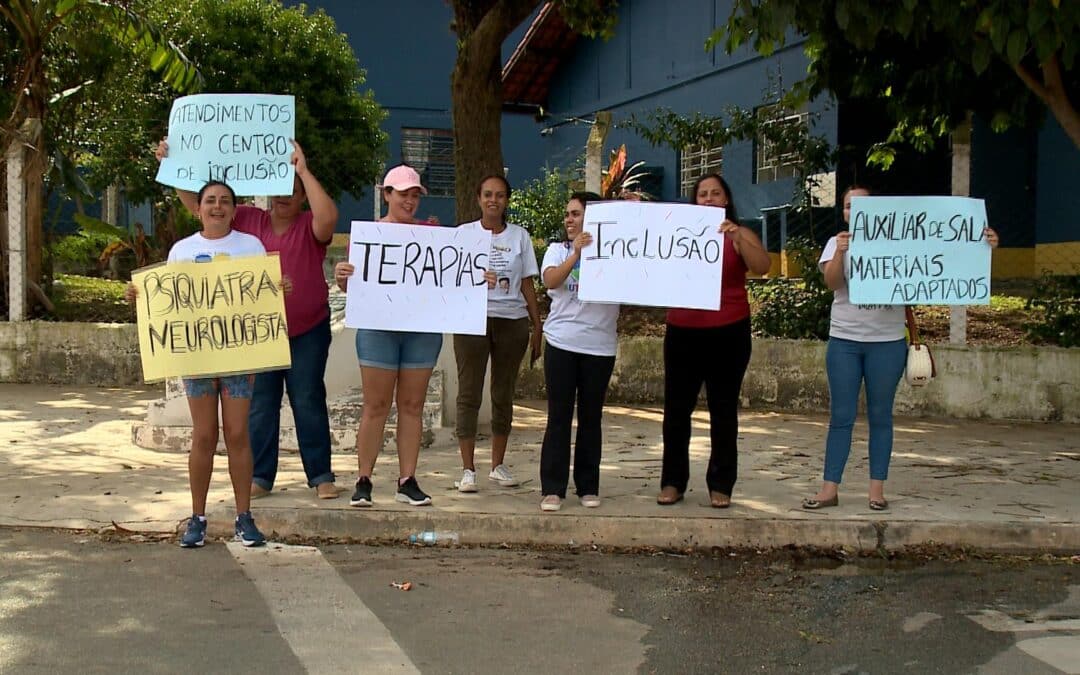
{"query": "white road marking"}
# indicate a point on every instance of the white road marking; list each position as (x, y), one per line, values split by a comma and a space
(999, 622)
(1060, 651)
(1057, 651)
(325, 624)
(919, 621)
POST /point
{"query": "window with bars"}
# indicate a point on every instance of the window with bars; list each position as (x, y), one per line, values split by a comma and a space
(773, 160)
(696, 161)
(431, 153)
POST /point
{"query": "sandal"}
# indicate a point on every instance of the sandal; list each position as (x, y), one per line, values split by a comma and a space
(668, 496)
(815, 504)
(719, 500)
(879, 505)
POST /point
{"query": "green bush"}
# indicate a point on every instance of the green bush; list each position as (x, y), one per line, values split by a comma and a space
(794, 308)
(1059, 299)
(540, 204)
(79, 253)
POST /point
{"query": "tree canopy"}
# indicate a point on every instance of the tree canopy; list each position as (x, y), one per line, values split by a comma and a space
(54, 50)
(930, 62)
(249, 46)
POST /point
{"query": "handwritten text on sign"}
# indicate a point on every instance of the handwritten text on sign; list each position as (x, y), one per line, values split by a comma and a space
(663, 255)
(417, 278)
(215, 318)
(242, 139)
(918, 250)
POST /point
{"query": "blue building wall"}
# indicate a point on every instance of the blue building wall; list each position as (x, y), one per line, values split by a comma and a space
(657, 59)
(1003, 171)
(408, 50)
(1057, 200)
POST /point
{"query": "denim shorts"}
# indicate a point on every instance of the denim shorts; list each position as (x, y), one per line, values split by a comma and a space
(394, 350)
(235, 386)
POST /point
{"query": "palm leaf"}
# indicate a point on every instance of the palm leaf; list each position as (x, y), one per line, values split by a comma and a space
(164, 57)
(92, 225)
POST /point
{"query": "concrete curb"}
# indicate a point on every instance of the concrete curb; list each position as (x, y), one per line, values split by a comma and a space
(488, 529)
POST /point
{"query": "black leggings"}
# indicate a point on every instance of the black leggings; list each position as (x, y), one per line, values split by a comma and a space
(571, 376)
(718, 358)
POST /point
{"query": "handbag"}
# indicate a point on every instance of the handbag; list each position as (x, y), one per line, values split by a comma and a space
(920, 367)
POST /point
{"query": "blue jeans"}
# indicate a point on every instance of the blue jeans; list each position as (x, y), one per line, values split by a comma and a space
(848, 363)
(307, 397)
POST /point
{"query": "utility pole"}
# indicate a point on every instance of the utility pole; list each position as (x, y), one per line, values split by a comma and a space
(961, 187)
(594, 151)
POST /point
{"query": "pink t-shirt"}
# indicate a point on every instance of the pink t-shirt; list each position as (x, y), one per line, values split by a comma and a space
(301, 260)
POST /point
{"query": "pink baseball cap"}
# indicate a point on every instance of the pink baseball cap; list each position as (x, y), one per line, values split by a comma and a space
(402, 178)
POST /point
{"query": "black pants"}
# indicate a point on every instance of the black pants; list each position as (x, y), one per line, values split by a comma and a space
(570, 375)
(718, 358)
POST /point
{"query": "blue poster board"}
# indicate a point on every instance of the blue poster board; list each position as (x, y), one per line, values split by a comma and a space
(918, 251)
(244, 140)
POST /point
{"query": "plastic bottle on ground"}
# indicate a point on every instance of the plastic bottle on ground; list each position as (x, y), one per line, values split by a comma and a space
(432, 538)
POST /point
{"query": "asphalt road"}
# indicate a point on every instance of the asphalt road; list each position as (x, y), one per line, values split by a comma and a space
(72, 602)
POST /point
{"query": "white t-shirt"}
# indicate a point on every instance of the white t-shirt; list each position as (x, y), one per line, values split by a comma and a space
(512, 258)
(198, 248)
(573, 325)
(861, 323)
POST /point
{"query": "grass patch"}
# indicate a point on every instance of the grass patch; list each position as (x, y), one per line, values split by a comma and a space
(79, 298)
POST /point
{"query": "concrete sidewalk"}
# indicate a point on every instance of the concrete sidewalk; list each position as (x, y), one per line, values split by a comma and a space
(66, 460)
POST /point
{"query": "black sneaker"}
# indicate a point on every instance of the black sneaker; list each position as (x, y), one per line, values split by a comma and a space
(409, 492)
(362, 495)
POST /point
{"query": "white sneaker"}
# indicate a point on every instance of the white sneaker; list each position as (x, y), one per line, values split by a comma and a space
(502, 476)
(467, 482)
(590, 501)
(550, 503)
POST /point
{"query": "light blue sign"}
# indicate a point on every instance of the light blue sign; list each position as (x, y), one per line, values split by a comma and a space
(244, 140)
(918, 251)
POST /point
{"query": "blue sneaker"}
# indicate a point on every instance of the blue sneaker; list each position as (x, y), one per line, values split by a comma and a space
(195, 534)
(246, 532)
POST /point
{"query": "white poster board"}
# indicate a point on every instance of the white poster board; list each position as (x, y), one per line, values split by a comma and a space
(654, 254)
(244, 140)
(417, 278)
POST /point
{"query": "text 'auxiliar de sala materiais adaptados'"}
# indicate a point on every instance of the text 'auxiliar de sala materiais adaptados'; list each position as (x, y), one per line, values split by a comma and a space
(932, 255)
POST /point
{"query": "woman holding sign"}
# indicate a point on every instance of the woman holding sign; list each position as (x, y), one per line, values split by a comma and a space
(866, 345)
(300, 237)
(392, 360)
(578, 361)
(710, 347)
(215, 207)
(513, 325)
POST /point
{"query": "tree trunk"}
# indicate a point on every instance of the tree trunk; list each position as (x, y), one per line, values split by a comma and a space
(477, 114)
(1052, 91)
(476, 95)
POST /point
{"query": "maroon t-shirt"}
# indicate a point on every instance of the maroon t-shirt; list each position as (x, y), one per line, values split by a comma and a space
(302, 259)
(734, 304)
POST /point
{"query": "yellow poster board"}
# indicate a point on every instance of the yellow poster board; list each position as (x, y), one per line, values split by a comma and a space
(211, 318)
